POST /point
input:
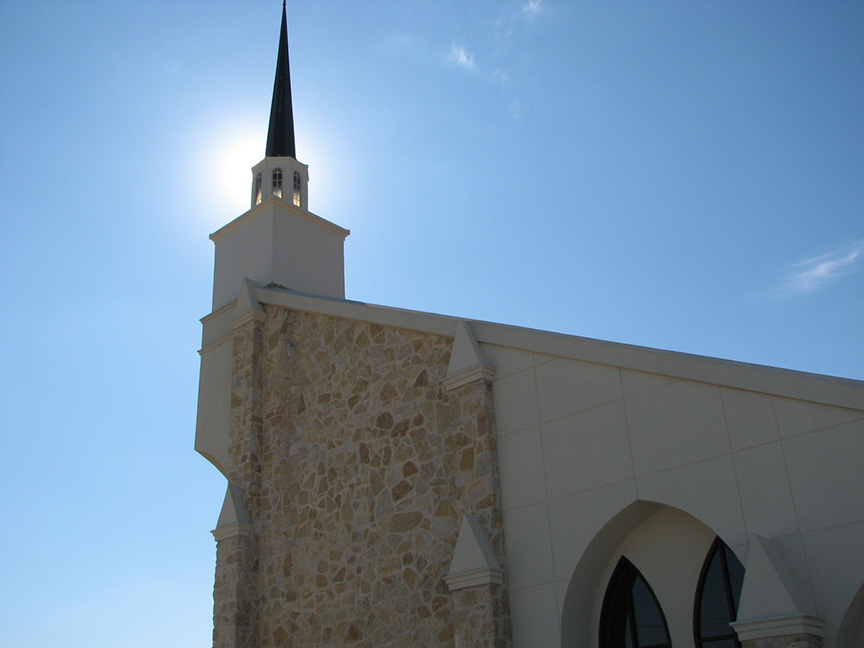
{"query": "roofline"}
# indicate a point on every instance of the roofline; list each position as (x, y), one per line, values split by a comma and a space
(817, 388)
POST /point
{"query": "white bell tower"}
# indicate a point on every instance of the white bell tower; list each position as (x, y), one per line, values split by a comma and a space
(279, 241)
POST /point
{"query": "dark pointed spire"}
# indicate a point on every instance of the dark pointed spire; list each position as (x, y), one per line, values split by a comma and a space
(280, 137)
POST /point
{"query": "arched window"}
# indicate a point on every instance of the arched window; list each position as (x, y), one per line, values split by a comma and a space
(297, 188)
(717, 597)
(277, 183)
(631, 616)
(256, 200)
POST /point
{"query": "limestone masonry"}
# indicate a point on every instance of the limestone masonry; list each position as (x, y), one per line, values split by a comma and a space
(357, 467)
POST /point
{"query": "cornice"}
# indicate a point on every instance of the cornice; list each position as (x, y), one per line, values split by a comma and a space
(277, 205)
(259, 317)
(232, 531)
(470, 375)
(215, 345)
(219, 311)
(474, 578)
(779, 626)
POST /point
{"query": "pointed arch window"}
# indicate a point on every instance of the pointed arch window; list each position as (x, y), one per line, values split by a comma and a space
(296, 195)
(631, 616)
(256, 200)
(277, 182)
(717, 597)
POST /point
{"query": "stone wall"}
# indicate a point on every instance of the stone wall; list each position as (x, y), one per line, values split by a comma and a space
(356, 468)
(802, 640)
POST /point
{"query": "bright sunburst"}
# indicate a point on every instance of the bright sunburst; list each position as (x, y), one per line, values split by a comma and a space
(236, 158)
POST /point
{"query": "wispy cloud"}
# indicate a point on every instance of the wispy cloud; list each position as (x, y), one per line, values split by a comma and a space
(533, 7)
(460, 56)
(816, 273)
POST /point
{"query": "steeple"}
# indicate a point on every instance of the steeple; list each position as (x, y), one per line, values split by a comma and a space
(279, 174)
(280, 136)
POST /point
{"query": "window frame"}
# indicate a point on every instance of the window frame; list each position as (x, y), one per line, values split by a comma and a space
(277, 182)
(257, 195)
(718, 549)
(625, 575)
(297, 199)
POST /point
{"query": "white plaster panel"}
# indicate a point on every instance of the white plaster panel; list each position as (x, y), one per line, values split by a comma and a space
(246, 252)
(791, 549)
(706, 490)
(676, 425)
(535, 623)
(636, 382)
(741, 551)
(561, 588)
(529, 552)
(587, 450)
(796, 417)
(749, 418)
(826, 471)
(576, 519)
(520, 460)
(278, 243)
(567, 386)
(541, 358)
(515, 402)
(836, 562)
(507, 360)
(766, 497)
(308, 258)
(213, 426)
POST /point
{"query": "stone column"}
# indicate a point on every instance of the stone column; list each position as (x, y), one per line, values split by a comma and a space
(235, 618)
(481, 611)
(480, 615)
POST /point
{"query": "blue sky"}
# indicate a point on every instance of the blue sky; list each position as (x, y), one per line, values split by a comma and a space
(680, 175)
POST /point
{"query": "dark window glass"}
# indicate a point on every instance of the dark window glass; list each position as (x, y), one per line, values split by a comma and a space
(631, 616)
(717, 597)
(720, 643)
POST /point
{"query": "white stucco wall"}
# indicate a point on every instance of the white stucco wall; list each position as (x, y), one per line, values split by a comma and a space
(579, 442)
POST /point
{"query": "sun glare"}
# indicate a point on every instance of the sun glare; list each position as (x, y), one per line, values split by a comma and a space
(229, 193)
(236, 158)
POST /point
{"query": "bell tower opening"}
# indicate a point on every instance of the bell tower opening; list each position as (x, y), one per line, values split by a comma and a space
(277, 182)
(296, 194)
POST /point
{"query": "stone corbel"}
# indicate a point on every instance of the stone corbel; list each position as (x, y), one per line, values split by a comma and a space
(247, 308)
(233, 520)
(467, 364)
(474, 562)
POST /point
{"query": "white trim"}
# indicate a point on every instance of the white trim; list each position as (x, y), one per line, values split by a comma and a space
(474, 578)
(232, 531)
(470, 375)
(279, 204)
(779, 626)
(215, 345)
(259, 317)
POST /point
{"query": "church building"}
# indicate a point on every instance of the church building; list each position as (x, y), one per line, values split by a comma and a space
(398, 479)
